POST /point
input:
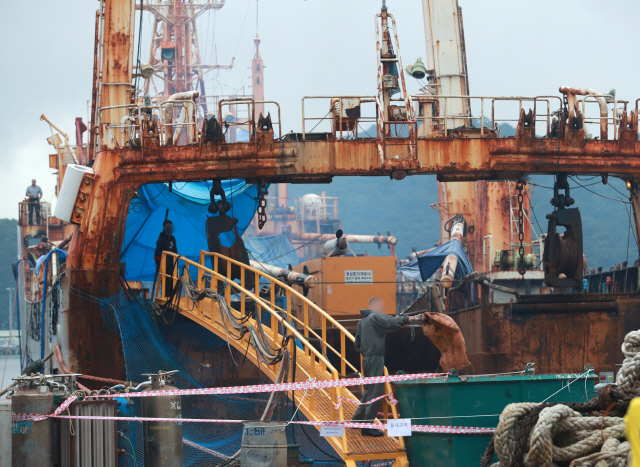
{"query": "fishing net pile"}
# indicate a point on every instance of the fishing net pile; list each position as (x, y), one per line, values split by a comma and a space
(589, 434)
(203, 360)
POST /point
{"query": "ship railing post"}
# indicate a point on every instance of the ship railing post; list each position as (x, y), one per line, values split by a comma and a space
(303, 122)
(214, 286)
(174, 273)
(345, 446)
(343, 353)
(324, 339)
(272, 303)
(306, 325)
(227, 289)
(258, 312)
(482, 117)
(200, 284)
(163, 270)
(256, 281)
(187, 277)
(312, 376)
(242, 294)
(334, 398)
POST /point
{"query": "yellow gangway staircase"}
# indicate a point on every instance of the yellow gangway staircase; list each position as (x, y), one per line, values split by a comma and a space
(312, 363)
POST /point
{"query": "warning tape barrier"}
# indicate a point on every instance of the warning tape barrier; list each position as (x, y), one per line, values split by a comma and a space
(389, 396)
(18, 417)
(378, 426)
(296, 386)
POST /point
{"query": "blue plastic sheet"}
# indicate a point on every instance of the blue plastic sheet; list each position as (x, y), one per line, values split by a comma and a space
(275, 250)
(187, 204)
(422, 268)
(40, 261)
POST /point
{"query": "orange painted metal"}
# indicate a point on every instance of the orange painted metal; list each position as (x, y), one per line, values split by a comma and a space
(94, 253)
(343, 300)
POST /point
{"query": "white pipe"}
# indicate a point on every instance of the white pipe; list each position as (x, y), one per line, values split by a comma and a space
(450, 263)
(571, 92)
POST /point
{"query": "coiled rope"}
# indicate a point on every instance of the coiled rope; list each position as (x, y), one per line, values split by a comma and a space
(589, 434)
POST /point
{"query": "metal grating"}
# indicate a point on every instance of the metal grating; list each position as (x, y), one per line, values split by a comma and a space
(90, 443)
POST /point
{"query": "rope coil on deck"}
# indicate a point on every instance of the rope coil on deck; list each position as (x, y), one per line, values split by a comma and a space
(589, 434)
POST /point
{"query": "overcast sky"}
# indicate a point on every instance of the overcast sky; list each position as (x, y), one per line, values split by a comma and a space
(310, 47)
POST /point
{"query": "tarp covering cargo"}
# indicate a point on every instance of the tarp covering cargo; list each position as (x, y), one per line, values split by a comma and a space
(187, 204)
(422, 268)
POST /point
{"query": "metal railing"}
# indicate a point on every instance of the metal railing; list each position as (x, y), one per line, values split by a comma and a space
(251, 120)
(339, 121)
(40, 210)
(438, 121)
(319, 365)
(613, 120)
(187, 119)
(127, 132)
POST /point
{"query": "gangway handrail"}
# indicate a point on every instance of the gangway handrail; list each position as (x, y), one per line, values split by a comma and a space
(276, 318)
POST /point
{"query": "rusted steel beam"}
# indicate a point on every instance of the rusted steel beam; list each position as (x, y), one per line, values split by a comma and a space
(468, 159)
(577, 307)
(93, 265)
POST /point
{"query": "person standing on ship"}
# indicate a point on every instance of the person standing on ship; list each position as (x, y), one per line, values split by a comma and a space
(166, 242)
(370, 337)
(33, 196)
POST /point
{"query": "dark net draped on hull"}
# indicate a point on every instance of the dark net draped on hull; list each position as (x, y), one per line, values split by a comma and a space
(203, 360)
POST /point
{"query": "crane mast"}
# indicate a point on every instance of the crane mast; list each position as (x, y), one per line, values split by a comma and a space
(491, 225)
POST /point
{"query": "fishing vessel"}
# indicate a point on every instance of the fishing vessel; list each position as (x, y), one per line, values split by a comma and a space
(266, 288)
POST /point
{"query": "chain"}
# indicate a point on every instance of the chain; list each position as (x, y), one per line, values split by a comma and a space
(521, 265)
(262, 205)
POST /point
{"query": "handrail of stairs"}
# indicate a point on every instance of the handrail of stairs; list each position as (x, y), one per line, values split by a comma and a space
(323, 363)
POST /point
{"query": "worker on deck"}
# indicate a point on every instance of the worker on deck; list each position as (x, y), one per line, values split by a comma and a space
(166, 242)
(33, 196)
(370, 337)
(44, 246)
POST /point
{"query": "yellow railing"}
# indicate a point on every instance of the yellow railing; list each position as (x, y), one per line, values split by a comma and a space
(320, 367)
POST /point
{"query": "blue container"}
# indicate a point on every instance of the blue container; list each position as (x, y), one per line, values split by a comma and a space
(450, 402)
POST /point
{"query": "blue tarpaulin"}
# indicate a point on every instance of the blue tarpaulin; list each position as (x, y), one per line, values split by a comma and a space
(422, 268)
(275, 250)
(187, 204)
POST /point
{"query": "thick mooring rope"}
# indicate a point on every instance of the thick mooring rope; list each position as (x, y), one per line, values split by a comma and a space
(589, 434)
(629, 373)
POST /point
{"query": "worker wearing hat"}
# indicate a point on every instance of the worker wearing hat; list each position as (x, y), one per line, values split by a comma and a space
(166, 242)
(370, 337)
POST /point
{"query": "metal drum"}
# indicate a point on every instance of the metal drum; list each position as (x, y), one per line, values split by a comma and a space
(264, 444)
(34, 443)
(162, 440)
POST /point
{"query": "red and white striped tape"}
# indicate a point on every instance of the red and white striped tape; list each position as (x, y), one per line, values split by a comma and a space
(261, 388)
(296, 386)
(346, 424)
(392, 401)
(18, 417)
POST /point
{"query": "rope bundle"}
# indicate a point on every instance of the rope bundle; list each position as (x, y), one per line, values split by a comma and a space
(589, 434)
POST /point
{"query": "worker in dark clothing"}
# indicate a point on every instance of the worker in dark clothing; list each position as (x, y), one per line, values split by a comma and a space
(166, 242)
(33, 196)
(370, 337)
